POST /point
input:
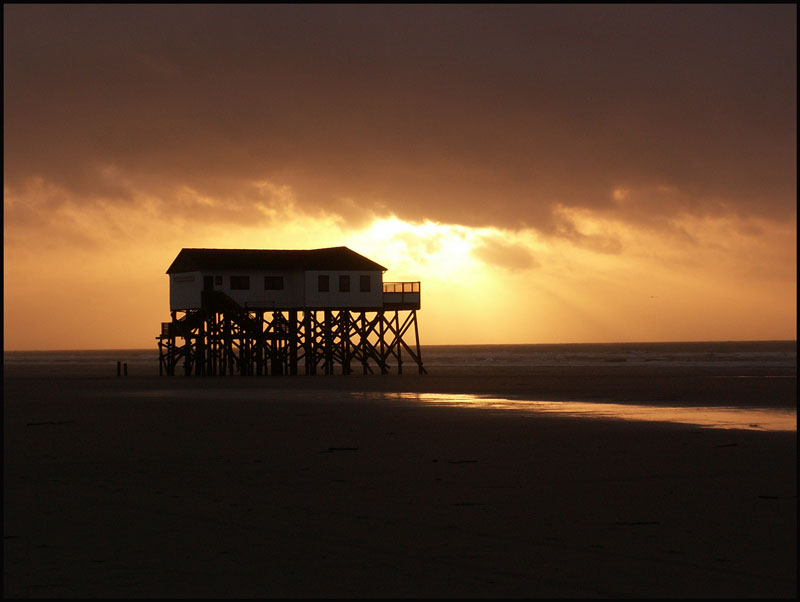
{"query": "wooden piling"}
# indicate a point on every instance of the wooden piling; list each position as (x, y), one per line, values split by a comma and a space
(227, 341)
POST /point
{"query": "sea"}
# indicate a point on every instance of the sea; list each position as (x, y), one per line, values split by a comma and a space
(744, 356)
(764, 359)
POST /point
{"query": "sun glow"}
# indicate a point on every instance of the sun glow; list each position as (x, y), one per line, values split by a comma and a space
(428, 248)
(591, 280)
(474, 284)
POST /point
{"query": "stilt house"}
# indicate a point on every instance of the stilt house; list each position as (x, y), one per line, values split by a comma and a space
(259, 311)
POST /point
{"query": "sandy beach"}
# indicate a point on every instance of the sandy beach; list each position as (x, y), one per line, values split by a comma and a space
(336, 487)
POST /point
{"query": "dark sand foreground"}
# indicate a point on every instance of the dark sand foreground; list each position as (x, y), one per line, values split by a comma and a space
(296, 487)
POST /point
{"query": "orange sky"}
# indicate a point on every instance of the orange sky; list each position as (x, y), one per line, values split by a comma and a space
(550, 173)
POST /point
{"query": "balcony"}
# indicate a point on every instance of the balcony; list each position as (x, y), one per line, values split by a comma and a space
(401, 295)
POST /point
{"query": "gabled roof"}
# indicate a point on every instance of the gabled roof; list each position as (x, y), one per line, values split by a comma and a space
(333, 258)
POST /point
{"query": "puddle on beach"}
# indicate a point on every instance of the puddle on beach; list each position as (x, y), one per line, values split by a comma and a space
(756, 419)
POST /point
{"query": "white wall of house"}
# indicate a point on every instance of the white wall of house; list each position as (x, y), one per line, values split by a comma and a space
(300, 289)
(291, 295)
(184, 290)
(335, 298)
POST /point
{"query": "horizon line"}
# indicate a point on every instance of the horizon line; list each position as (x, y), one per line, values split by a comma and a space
(453, 345)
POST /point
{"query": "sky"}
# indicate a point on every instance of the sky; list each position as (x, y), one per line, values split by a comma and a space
(550, 173)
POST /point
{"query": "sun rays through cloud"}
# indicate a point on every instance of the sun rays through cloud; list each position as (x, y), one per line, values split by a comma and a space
(592, 196)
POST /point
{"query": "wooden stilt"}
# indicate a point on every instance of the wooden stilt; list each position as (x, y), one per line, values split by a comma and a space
(399, 339)
(232, 340)
(293, 343)
(328, 334)
(308, 343)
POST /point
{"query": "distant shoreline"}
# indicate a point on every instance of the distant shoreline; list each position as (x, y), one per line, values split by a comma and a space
(463, 345)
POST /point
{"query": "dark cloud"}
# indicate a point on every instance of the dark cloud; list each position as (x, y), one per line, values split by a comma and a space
(468, 114)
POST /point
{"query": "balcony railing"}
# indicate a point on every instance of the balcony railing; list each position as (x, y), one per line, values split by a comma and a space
(401, 287)
(401, 295)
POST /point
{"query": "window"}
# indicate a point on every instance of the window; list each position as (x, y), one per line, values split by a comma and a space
(344, 284)
(273, 283)
(365, 284)
(324, 283)
(218, 280)
(240, 283)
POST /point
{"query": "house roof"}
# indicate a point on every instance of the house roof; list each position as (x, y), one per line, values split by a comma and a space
(333, 258)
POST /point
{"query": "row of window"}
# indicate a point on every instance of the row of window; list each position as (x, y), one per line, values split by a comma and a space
(275, 283)
(324, 283)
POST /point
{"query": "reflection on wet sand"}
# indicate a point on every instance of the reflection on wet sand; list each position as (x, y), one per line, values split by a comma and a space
(762, 419)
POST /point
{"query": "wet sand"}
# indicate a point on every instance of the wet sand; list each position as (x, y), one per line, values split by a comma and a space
(332, 487)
